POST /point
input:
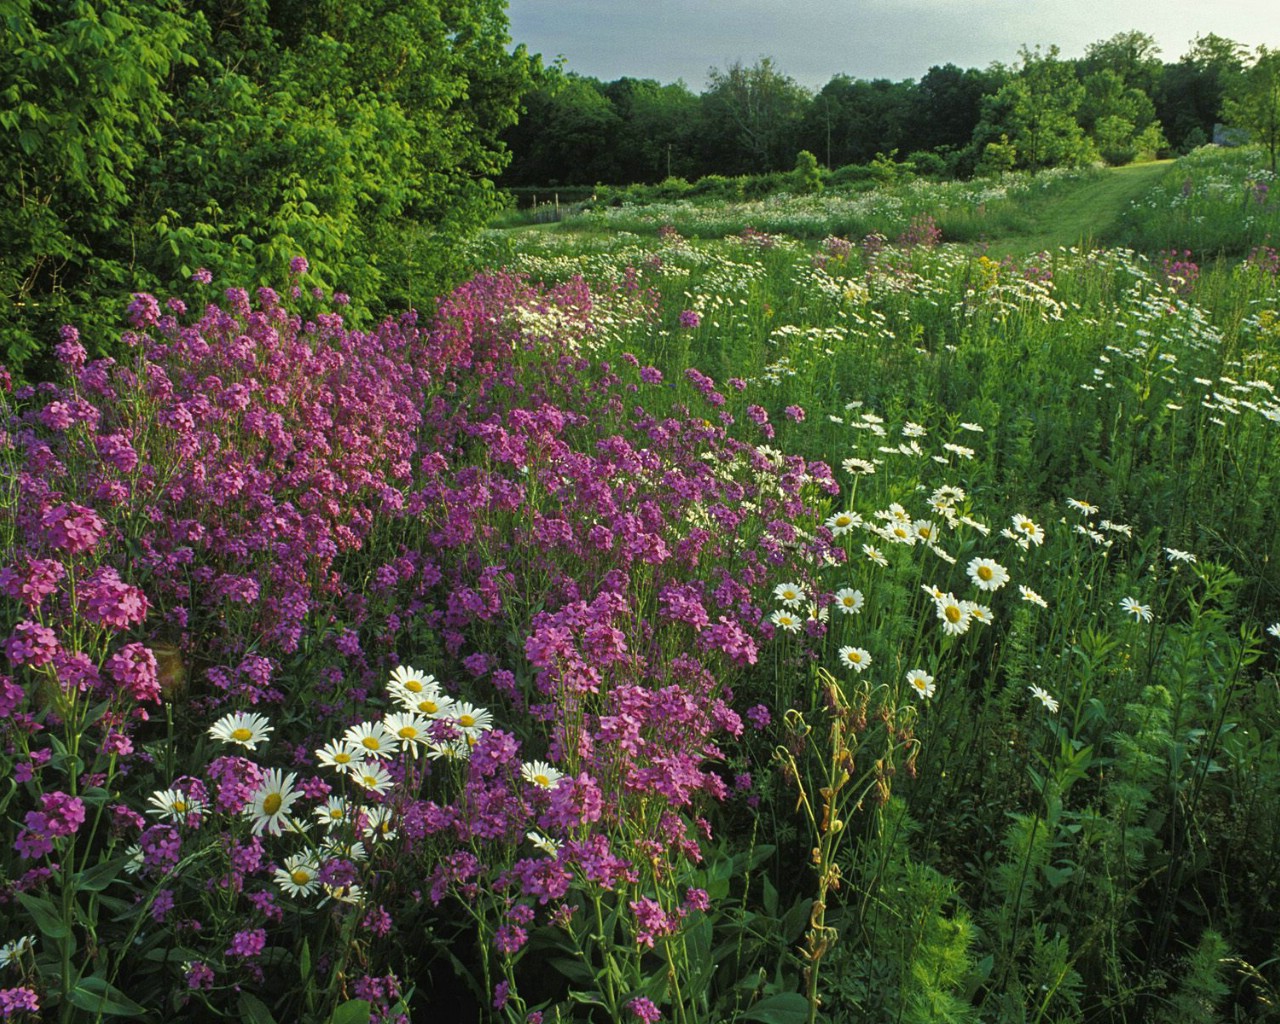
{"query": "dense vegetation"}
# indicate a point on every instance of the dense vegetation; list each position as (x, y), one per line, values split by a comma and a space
(1118, 103)
(141, 140)
(719, 628)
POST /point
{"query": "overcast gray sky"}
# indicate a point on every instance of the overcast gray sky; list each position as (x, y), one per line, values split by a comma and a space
(813, 40)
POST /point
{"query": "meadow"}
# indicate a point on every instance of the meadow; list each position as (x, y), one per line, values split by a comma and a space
(770, 612)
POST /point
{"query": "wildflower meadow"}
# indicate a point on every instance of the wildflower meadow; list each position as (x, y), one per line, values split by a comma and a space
(687, 619)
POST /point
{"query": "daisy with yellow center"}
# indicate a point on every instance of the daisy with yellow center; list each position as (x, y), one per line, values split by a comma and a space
(922, 684)
(270, 805)
(428, 705)
(1045, 698)
(332, 812)
(842, 522)
(953, 613)
(411, 680)
(248, 730)
(856, 658)
(471, 719)
(174, 805)
(784, 620)
(540, 774)
(371, 776)
(409, 729)
(338, 754)
(849, 601)
(1031, 597)
(790, 594)
(874, 554)
(1027, 530)
(299, 876)
(372, 739)
(987, 575)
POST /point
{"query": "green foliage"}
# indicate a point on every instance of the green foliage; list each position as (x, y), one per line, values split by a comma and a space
(145, 140)
(1253, 101)
(807, 176)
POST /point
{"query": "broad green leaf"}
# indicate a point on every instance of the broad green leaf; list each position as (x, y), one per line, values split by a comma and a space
(98, 877)
(254, 1010)
(97, 995)
(45, 915)
(353, 1011)
(783, 1008)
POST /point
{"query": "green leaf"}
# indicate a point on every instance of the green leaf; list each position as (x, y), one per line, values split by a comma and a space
(770, 898)
(784, 1008)
(353, 1011)
(45, 915)
(97, 995)
(98, 877)
(795, 920)
(304, 960)
(254, 1009)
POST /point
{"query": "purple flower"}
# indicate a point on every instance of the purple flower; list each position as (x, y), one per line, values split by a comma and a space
(689, 319)
(201, 276)
(759, 717)
(64, 814)
(31, 644)
(134, 668)
(72, 528)
(796, 413)
(644, 1010)
(248, 943)
(199, 975)
(18, 1000)
(298, 265)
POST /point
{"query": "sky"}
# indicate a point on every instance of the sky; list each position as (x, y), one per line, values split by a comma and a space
(814, 40)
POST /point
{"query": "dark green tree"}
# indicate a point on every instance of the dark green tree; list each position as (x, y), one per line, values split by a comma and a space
(1253, 101)
(1189, 95)
(751, 117)
(143, 139)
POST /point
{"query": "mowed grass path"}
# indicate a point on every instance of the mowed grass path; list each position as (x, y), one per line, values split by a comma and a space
(1086, 214)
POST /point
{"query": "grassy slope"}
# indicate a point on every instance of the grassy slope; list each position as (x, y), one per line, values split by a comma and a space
(1087, 213)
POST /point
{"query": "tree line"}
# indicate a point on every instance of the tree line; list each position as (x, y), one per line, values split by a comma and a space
(1118, 103)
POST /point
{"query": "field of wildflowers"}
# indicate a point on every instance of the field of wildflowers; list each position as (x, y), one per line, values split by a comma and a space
(734, 629)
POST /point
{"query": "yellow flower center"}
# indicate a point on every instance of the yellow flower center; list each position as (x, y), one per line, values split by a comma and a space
(466, 721)
(855, 657)
(342, 757)
(408, 732)
(428, 706)
(543, 781)
(413, 686)
(335, 813)
(898, 531)
(953, 613)
(371, 743)
(272, 804)
(300, 876)
(242, 734)
(180, 806)
(985, 573)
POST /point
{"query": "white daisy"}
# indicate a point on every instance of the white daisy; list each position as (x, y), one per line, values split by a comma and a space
(410, 680)
(1045, 698)
(298, 877)
(339, 754)
(371, 775)
(1027, 529)
(785, 621)
(1031, 597)
(378, 823)
(874, 554)
(12, 952)
(1175, 555)
(173, 805)
(790, 594)
(1082, 507)
(372, 739)
(270, 805)
(953, 613)
(241, 727)
(471, 719)
(856, 658)
(842, 522)
(410, 729)
(431, 704)
(987, 575)
(979, 612)
(921, 683)
(849, 601)
(540, 774)
(543, 843)
(332, 812)
(1132, 606)
(1274, 630)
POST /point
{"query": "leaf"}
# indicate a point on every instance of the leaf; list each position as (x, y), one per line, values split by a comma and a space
(254, 1009)
(97, 995)
(795, 920)
(784, 1008)
(45, 915)
(98, 877)
(353, 1011)
(770, 898)
(574, 970)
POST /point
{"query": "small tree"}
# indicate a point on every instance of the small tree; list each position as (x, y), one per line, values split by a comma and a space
(1253, 102)
(807, 177)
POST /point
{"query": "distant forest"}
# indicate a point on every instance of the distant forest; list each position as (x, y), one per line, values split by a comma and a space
(1118, 103)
